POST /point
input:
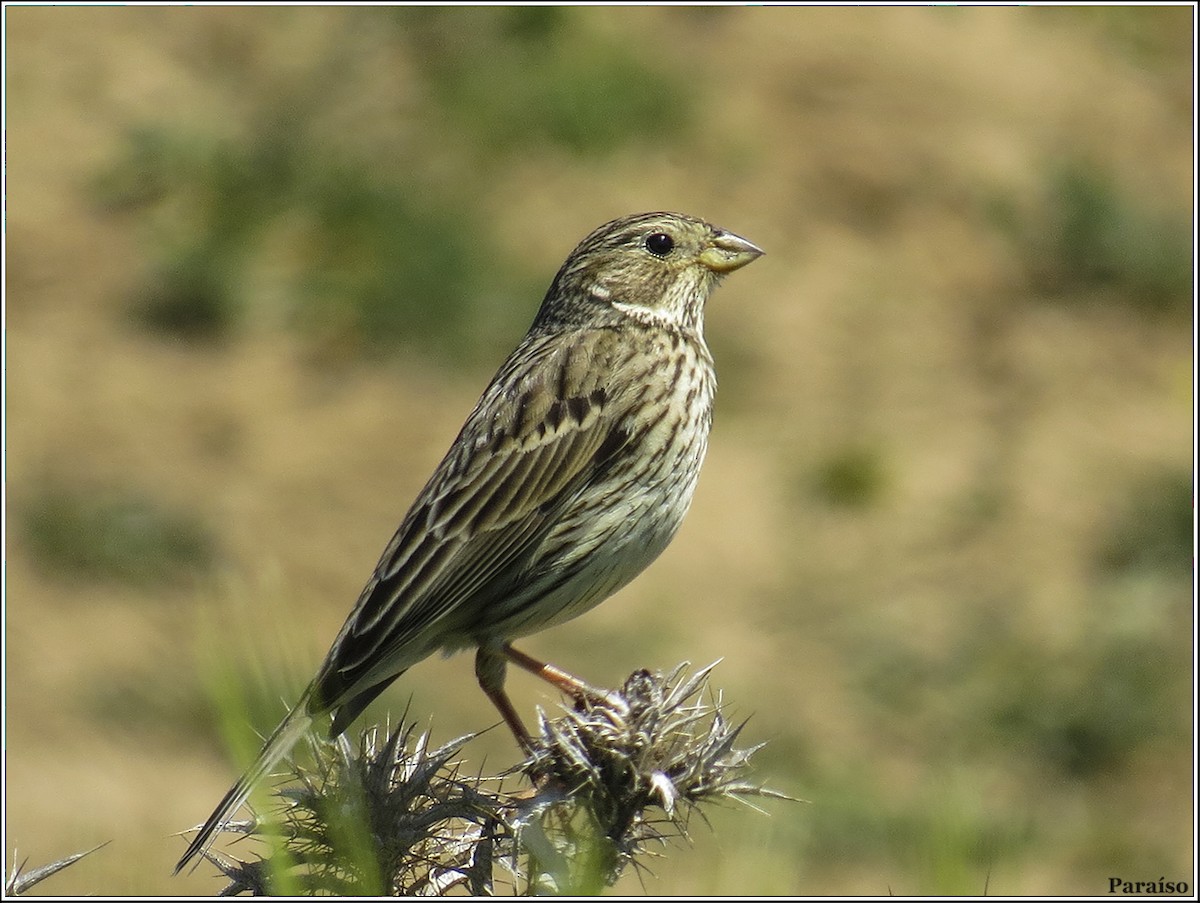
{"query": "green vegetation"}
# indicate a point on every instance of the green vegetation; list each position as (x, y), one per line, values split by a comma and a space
(370, 267)
(175, 714)
(279, 221)
(851, 477)
(116, 534)
(386, 271)
(1090, 237)
(941, 836)
(1077, 713)
(190, 297)
(1155, 37)
(524, 79)
(1155, 530)
(1090, 713)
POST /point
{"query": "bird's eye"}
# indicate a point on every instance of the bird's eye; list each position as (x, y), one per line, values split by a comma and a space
(660, 244)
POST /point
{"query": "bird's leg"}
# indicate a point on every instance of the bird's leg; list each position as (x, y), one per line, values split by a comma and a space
(490, 665)
(489, 671)
(581, 692)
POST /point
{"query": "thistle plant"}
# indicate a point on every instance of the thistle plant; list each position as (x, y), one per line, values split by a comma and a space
(20, 880)
(605, 783)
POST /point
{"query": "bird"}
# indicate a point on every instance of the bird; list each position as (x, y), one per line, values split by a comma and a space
(569, 477)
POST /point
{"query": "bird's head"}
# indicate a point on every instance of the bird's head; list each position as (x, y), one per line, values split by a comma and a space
(653, 267)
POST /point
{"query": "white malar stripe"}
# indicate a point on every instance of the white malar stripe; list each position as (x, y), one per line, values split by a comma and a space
(646, 315)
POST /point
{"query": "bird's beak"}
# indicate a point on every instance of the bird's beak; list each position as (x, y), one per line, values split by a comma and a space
(727, 252)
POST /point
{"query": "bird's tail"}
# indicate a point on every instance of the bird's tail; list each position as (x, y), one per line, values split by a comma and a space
(278, 745)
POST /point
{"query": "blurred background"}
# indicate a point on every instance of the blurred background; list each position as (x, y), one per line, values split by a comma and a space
(260, 263)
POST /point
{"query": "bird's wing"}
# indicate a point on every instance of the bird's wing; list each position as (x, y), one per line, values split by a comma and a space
(536, 438)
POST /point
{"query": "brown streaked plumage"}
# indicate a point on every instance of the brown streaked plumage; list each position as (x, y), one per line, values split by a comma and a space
(569, 477)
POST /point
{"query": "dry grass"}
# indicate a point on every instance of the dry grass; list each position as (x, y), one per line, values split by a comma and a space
(891, 641)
